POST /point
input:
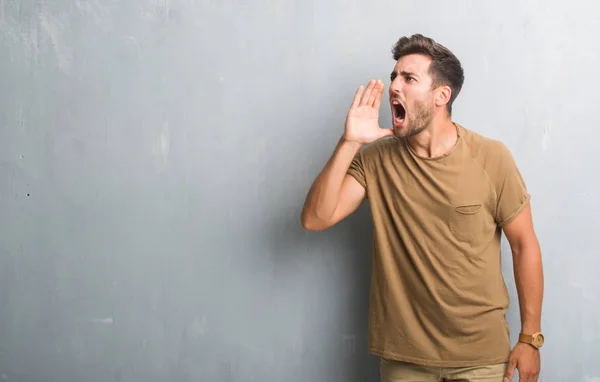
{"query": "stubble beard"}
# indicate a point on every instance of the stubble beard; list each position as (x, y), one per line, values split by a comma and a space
(420, 119)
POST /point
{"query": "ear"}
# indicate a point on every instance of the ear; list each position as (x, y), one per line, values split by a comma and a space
(442, 95)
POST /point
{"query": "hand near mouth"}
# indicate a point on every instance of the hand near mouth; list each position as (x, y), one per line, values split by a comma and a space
(362, 122)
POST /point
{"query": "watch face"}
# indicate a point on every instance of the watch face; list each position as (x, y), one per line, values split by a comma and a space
(538, 340)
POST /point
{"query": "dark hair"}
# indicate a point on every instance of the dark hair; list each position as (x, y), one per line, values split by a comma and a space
(445, 67)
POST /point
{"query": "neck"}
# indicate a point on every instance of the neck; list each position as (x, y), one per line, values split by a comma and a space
(437, 139)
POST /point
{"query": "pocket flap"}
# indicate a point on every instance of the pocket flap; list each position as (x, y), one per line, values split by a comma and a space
(468, 209)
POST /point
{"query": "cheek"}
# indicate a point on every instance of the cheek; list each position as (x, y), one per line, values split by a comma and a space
(417, 95)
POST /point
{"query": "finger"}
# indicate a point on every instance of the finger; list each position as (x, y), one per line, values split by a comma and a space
(377, 103)
(374, 93)
(356, 100)
(510, 370)
(367, 93)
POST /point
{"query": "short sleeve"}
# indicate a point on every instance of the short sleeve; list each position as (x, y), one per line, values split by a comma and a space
(511, 191)
(357, 169)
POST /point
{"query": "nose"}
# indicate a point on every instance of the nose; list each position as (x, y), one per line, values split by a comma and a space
(396, 86)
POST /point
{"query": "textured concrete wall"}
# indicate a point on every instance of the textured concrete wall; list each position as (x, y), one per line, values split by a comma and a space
(155, 155)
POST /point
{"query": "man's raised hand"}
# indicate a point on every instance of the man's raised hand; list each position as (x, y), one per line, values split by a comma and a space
(362, 122)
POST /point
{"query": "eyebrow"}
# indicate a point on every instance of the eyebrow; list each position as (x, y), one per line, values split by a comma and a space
(408, 74)
(405, 74)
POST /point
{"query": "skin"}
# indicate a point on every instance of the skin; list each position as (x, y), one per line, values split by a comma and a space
(429, 130)
(529, 279)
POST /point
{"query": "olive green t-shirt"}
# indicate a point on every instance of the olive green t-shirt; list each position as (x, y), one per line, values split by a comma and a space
(438, 296)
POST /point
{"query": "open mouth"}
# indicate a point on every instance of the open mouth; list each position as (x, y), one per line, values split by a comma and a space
(399, 111)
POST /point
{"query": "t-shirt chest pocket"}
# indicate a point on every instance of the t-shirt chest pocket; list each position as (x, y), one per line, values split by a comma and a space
(470, 221)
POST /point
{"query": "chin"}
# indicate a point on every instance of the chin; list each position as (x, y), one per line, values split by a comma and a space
(399, 133)
(402, 130)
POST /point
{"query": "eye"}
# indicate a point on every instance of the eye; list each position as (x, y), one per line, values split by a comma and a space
(410, 79)
(392, 77)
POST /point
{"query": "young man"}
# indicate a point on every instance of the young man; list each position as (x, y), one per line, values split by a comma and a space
(440, 197)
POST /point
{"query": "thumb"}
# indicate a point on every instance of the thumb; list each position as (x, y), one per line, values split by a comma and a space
(510, 370)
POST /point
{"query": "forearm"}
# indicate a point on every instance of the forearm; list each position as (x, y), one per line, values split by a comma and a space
(323, 195)
(529, 279)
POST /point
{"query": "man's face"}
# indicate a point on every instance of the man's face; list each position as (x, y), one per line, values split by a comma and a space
(411, 97)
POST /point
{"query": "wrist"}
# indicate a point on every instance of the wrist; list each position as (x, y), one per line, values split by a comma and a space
(533, 339)
(527, 345)
(349, 142)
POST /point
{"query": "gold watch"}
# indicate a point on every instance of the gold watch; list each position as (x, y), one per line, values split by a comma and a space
(536, 339)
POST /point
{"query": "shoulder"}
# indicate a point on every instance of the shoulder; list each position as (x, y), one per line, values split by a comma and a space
(379, 148)
(498, 164)
(370, 157)
(489, 152)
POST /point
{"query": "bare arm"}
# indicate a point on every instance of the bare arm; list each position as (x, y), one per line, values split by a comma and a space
(529, 279)
(527, 264)
(334, 194)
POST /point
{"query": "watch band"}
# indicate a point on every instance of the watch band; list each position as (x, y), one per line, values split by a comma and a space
(536, 339)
